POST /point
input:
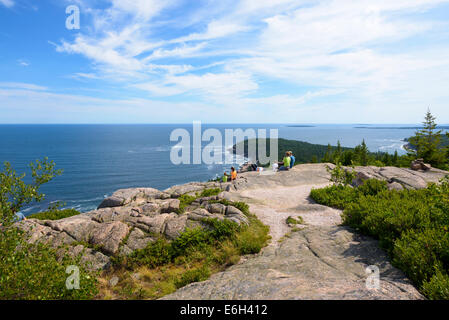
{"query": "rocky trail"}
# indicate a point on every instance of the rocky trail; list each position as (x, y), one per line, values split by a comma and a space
(321, 260)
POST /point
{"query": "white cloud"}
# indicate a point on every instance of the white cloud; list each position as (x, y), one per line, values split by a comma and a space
(354, 53)
(20, 85)
(7, 3)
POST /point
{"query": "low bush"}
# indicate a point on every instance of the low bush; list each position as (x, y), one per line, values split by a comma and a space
(33, 271)
(54, 214)
(184, 201)
(294, 221)
(193, 275)
(334, 196)
(210, 192)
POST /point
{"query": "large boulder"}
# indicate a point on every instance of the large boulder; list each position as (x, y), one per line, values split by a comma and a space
(154, 224)
(175, 226)
(171, 205)
(109, 236)
(419, 164)
(138, 195)
(111, 202)
(138, 239)
(234, 214)
(216, 208)
(79, 227)
(93, 260)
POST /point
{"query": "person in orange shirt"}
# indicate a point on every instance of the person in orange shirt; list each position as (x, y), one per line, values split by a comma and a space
(233, 174)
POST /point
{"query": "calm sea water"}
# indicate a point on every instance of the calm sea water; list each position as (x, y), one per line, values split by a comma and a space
(99, 159)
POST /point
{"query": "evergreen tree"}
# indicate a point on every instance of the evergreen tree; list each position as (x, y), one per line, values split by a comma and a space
(328, 155)
(338, 153)
(348, 158)
(427, 141)
(395, 158)
(361, 154)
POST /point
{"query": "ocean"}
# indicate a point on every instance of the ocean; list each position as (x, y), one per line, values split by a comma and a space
(99, 159)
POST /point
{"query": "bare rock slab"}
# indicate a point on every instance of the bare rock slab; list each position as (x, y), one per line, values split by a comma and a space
(315, 263)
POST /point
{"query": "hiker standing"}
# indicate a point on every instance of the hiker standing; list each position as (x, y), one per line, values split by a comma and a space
(233, 174)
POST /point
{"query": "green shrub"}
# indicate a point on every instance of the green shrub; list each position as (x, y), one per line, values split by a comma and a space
(184, 201)
(372, 187)
(193, 275)
(253, 238)
(191, 238)
(298, 220)
(155, 254)
(54, 214)
(438, 287)
(33, 271)
(341, 176)
(210, 192)
(225, 229)
(334, 196)
(420, 253)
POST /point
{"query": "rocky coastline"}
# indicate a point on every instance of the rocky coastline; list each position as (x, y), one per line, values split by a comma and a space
(131, 218)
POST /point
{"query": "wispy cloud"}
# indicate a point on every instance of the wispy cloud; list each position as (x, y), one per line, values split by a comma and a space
(257, 55)
(20, 85)
(7, 3)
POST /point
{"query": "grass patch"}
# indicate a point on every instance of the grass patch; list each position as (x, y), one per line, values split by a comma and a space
(298, 220)
(210, 192)
(412, 225)
(55, 214)
(184, 201)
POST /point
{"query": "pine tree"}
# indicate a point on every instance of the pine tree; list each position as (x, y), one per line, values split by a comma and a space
(338, 153)
(328, 155)
(395, 158)
(361, 152)
(427, 141)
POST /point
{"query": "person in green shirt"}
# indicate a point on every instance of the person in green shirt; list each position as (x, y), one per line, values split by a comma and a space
(285, 165)
(225, 177)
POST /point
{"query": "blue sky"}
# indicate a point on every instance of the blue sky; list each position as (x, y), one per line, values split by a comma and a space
(244, 61)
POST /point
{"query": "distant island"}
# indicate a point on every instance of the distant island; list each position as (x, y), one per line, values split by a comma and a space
(300, 126)
(401, 128)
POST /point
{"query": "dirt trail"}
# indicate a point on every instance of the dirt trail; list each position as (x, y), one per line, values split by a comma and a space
(323, 260)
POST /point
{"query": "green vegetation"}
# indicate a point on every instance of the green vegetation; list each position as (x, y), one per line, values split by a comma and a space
(294, 221)
(429, 145)
(54, 213)
(340, 176)
(314, 153)
(193, 256)
(33, 271)
(186, 200)
(210, 192)
(412, 225)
